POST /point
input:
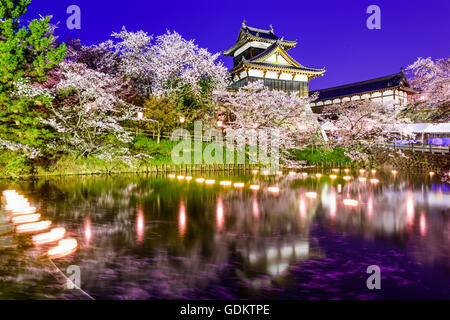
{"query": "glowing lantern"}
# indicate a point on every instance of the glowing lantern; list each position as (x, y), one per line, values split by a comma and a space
(362, 170)
(333, 176)
(304, 174)
(394, 171)
(362, 179)
(374, 180)
(26, 218)
(335, 170)
(255, 171)
(373, 171)
(254, 187)
(64, 248)
(200, 180)
(188, 178)
(53, 235)
(318, 175)
(34, 226)
(279, 173)
(346, 170)
(23, 211)
(292, 173)
(265, 172)
(171, 176)
(239, 184)
(431, 173)
(210, 181)
(347, 178)
(180, 177)
(225, 183)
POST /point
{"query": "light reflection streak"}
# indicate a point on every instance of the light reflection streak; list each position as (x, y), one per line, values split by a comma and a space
(302, 207)
(333, 204)
(370, 206)
(423, 224)
(255, 207)
(410, 208)
(140, 225)
(219, 214)
(182, 219)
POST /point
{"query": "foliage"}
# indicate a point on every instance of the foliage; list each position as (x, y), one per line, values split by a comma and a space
(432, 78)
(185, 73)
(27, 53)
(89, 122)
(321, 154)
(362, 126)
(256, 107)
(163, 112)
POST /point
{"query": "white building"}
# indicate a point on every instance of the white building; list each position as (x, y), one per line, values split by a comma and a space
(392, 89)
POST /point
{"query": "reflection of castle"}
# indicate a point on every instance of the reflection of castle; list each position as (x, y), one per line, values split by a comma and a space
(259, 54)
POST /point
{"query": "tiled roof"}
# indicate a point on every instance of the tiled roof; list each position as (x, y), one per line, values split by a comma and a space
(268, 51)
(260, 33)
(386, 82)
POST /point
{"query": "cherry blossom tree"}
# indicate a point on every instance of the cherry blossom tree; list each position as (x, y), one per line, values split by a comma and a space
(254, 109)
(134, 51)
(363, 126)
(89, 120)
(180, 66)
(432, 78)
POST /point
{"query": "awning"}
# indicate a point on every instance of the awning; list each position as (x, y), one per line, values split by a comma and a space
(438, 128)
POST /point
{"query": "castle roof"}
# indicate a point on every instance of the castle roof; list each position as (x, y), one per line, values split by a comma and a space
(386, 82)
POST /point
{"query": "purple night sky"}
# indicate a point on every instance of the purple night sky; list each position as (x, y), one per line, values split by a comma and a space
(331, 34)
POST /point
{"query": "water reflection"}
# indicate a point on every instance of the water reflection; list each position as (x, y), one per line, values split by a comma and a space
(241, 241)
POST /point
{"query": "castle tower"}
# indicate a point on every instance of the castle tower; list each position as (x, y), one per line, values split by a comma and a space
(259, 54)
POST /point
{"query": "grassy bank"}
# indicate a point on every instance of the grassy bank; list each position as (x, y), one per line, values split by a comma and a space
(13, 166)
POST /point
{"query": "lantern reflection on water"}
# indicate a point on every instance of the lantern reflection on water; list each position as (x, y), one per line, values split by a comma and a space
(311, 195)
(273, 189)
(350, 202)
